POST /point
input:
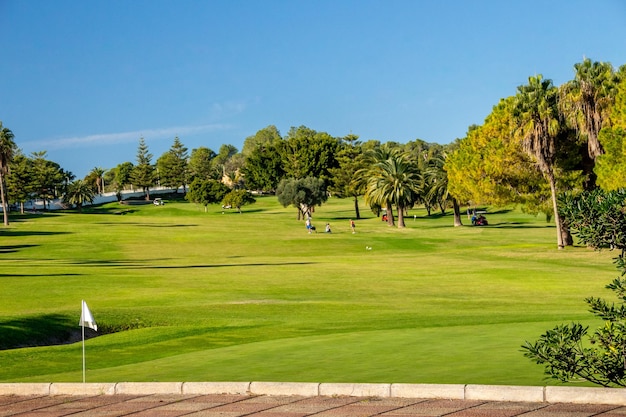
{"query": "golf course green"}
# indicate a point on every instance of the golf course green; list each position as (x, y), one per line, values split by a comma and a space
(180, 294)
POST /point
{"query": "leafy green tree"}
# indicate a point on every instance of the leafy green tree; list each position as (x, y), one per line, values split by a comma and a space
(345, 183)
(394, 180)
(304, 194)
(537, 125)
(598, 219)
(20, 182)
(79, 193)
(108, 179)
(307, 153)
(7, 151)
(200, 165)
(264, 137)
(172, 166)
(489, 167)
(238, 199)
(219, 163)
(123, 176)
(143, 174)
(47, 177)
(206, 191)
(263, 168)
(611, 166)
(233, 171)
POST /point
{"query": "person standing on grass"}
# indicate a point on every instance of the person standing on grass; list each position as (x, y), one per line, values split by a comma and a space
(352, 226)
(308, 224)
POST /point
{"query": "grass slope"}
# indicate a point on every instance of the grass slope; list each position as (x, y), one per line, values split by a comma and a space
(184, 295)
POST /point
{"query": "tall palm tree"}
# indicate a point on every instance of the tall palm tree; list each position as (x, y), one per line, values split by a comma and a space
(536, 117)
(7, 150)
(371, 158)
(395, 180)
(586, 103)
(436, 178)
(97, 174)
(78, 193)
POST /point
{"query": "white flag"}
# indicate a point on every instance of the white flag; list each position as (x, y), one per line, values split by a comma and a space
(86, 319)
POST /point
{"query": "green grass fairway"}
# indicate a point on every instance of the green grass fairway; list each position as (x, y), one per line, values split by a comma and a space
(184, 295)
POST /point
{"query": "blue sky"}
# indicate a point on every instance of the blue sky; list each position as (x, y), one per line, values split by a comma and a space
(84, 80)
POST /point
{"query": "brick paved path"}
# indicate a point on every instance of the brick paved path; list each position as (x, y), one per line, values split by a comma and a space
(285, 406)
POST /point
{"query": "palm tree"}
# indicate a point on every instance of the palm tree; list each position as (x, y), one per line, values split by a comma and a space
(78, 193)
(586, 102)
(97, 174)
(437, 179)
(362, 176)
(394, 180)
(536, 117)
(7, 150)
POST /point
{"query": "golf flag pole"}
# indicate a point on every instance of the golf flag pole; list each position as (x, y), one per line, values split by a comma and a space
(86, 320)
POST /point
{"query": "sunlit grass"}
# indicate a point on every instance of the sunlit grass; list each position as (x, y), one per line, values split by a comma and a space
(196, 296)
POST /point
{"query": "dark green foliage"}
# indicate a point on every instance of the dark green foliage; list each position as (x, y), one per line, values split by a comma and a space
(221, 164)
(206, 192)
(238, 199)
(20, 181)
(143, 173)
(303, 193)
(263, 168)
(345, 183)
(123, 173)
(200, 165)
(79, 193)
(307, 153)
(47, 178)
(599, 220)
(172, 166)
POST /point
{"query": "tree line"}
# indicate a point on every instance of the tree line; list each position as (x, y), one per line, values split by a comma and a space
(540, 142)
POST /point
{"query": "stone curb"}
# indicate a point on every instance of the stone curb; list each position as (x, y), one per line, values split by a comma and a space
(504, 393)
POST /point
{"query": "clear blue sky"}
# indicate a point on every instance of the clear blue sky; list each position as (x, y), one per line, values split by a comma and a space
(84, 80)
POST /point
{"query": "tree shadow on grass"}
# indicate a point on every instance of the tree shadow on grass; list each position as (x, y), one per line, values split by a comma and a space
(220, 265)
(160, 225)
(147, 224)
(503, 225)
(110, 263)
(122, 210)
(28, 215)
(44, 330)
(516, 225)
(37, 275)
(14, 248)
(16, 233)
